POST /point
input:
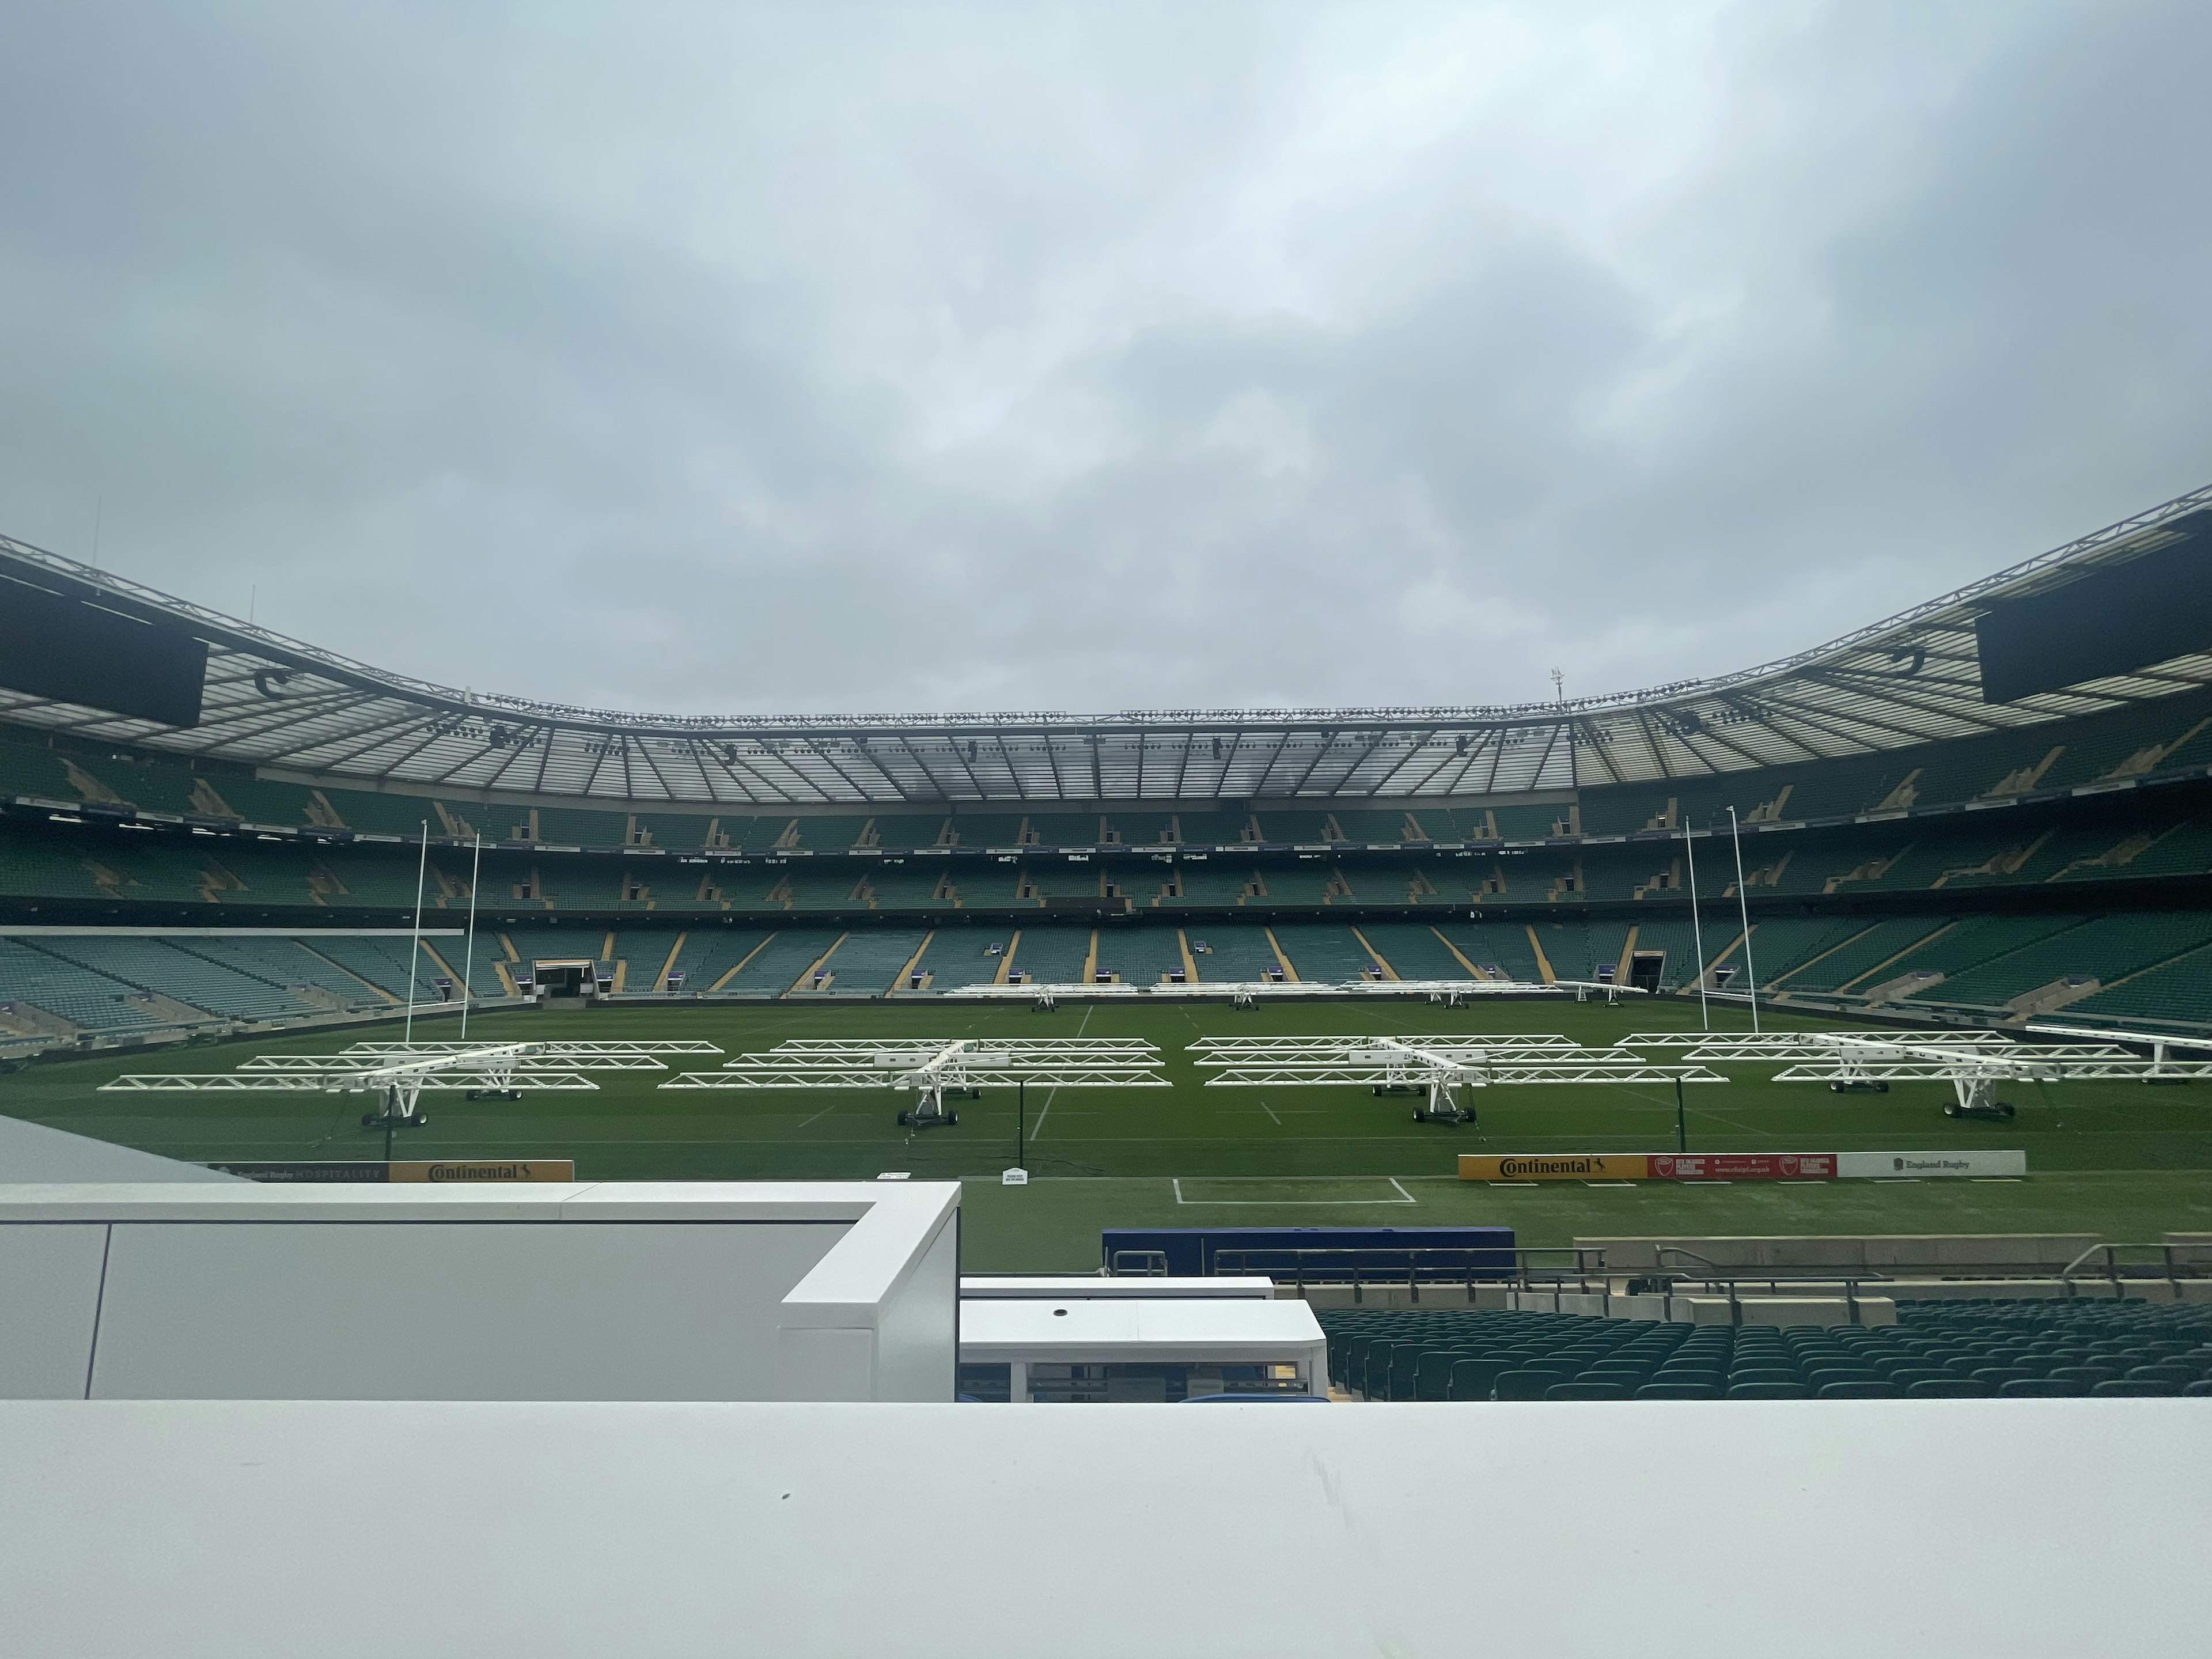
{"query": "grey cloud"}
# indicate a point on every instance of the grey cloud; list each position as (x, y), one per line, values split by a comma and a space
(712, 360)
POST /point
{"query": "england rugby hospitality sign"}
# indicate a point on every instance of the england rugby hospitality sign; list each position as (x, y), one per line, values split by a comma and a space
(1741, 1166)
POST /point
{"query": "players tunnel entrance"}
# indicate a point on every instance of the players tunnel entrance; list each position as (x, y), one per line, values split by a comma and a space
(564, 979)
(1645, 968)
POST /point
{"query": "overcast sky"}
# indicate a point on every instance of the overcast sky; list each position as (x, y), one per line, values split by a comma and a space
(816, 357)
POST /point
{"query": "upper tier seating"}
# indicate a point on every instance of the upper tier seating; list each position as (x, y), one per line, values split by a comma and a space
(972, 829)
(1278, 825)
(1213, 828)
(1135, 828)
(1061, 830)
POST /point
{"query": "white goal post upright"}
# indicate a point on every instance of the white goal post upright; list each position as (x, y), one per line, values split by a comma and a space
(1697, 929)
(1743, 903)
(415, 943)
(469, 960)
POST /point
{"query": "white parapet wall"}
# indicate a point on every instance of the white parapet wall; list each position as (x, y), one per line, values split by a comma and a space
(694, 1290)
(1733, 1529)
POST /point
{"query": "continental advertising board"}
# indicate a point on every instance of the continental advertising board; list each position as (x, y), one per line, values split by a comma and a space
(463, 1171)
(1743, 1166)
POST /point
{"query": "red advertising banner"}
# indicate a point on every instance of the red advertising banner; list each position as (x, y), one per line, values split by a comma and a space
(1743, 1166)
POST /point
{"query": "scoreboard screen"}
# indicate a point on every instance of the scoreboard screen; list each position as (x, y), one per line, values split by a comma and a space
(67, 650)
(2110, 622)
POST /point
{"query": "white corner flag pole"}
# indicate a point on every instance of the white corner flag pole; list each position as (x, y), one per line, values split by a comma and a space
(1743, 901)
(1697, 931)
(415, 950)
(468, 961)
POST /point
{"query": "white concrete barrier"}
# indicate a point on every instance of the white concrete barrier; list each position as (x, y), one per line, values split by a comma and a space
(694, 1291)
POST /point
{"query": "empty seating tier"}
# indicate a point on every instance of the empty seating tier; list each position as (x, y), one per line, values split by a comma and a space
(1947, 1350)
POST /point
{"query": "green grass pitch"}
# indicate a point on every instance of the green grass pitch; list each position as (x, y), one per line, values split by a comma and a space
(2123, 1159)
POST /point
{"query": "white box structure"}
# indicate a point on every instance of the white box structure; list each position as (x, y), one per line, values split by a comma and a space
(639, 1292)
(1000, 1287)
(1204, 1334)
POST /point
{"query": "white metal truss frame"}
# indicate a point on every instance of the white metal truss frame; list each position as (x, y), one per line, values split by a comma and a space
(280, 703)
(261, 1082)
(1489, 1073)
(1725, 1045)
(562, 1050)
(2159, 1043)
(767, 1074)
(1444, 1070)
(930, 1072)
(347, 1065)
(1245, 1050)
(1249, 992)
(496, 1068)
(1848, 1062)
(908, 1050)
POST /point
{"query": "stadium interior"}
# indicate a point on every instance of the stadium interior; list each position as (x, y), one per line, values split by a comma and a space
(212, 835)
(1778, 1042)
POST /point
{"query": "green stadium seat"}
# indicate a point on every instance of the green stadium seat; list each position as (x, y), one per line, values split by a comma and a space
(1472, 1379)
(2161, 1373)
(1588, 1388)
(2086, 1375)
(1526, 1383)
(1948, 1388)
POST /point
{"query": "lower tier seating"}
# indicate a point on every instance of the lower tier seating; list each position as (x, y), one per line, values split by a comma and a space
(1940, 1350)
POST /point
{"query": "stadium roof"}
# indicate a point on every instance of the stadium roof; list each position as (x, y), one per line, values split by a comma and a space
(274, 702)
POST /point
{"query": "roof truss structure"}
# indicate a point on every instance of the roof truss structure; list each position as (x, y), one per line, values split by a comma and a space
(277, 703)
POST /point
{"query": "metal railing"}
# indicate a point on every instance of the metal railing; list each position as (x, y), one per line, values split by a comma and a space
(2196, 1263)
(1152, 1264)
(1415, 1267)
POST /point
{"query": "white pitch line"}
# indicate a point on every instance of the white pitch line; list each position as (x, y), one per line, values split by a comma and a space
(1038, 1129)
(1403, 1198)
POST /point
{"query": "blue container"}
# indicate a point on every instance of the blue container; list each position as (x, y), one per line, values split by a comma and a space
(1318, 1253)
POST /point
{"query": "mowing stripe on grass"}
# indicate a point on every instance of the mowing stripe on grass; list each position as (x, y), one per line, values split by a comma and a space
(1271, 1186)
